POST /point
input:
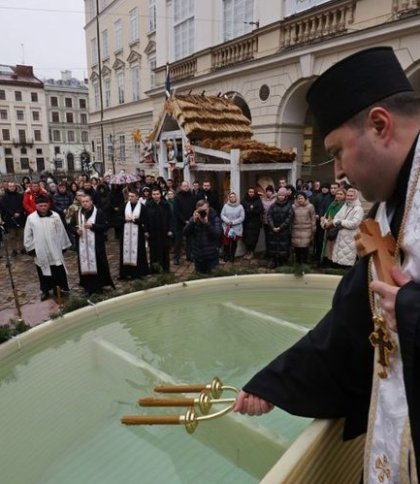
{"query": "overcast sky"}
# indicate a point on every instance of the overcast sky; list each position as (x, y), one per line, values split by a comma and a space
(51, 32)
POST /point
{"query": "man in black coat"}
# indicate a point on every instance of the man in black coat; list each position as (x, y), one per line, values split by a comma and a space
(158, 231)
(253, 218)
(205, 229)
(184, 205)
(369, 127)
(13, 215)
(210, 195)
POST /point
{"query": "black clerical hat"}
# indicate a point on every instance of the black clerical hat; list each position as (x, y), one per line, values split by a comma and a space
(353, 84)
(42, 199)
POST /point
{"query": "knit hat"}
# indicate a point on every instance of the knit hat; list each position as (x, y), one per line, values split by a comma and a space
(353, 84)
(282, 191)
(42, 199)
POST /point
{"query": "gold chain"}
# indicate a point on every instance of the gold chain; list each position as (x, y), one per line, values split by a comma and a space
(399, 241)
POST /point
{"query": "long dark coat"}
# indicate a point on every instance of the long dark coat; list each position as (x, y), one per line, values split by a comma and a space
(252, 224)
(280, 215)
(158, 223)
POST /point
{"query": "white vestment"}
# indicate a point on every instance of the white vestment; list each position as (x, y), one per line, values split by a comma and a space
(131, 233)
(87, 254)
(48, 237)
(389, 455)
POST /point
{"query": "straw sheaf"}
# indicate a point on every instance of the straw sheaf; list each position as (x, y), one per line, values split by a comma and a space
(209, 116)
(252, 151)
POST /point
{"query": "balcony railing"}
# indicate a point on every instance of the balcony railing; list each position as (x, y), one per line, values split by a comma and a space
(325, 22)
(23, 142)
(234, 52)
(184, 69)
(405, 7)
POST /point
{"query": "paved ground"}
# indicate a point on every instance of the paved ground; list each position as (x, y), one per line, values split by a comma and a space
(27, 285)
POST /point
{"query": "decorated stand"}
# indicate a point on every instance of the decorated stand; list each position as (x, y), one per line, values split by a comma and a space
(201, 137)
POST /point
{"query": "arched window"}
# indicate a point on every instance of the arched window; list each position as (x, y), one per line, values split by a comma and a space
(237, 99)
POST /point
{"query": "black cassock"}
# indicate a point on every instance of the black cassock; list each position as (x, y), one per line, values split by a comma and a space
(94, 282)
(141, 268)
(328, 373)
(158, 224)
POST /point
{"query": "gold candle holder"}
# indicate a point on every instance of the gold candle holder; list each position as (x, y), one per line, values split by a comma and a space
(198, 407)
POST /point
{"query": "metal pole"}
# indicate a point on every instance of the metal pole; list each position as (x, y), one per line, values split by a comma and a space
(12, 282)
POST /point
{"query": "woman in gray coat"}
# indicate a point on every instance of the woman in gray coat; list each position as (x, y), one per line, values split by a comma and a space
(233, 215)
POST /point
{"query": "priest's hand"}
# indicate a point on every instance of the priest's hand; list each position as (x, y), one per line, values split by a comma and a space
(388, 295)
(249, 404)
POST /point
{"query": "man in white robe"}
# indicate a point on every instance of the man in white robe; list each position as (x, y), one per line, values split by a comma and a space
(46, 238)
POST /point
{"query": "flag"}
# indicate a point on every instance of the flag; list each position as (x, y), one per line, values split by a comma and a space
(167, 82)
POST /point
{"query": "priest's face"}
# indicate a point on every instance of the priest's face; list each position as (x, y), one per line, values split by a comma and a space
(132, 197)
(42, 208)
(86, 203)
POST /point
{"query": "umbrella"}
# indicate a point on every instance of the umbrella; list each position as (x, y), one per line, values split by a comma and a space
(123, 179)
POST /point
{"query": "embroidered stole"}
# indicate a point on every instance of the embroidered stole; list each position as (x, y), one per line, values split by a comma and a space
(389, 454)
(131, 233)
(87, 254)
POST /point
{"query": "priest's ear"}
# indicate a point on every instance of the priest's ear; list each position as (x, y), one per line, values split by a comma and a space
(381, 122)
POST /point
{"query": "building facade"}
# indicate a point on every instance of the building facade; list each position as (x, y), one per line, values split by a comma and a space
(264, 58)
(23, 122)
(67, 102)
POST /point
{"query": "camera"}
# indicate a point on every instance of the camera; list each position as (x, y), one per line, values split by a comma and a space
(202, 213)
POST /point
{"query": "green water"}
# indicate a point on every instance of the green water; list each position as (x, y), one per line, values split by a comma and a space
(61, 399)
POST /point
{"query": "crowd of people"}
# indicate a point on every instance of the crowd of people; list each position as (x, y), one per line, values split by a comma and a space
(156, 223)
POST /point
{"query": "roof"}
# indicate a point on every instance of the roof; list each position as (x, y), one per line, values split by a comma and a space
(20, 75)
(217, 123)
(206, 117)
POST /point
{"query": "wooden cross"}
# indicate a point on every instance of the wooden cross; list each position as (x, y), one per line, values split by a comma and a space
(380, 339)
(369, 241)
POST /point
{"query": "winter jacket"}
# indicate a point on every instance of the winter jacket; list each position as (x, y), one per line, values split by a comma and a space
(253, 215)
(11, 203)
(61, 202)
(204, 237)
(29, 199)
(267, 202)
(350, 216)
(280, 216)
(304, 224)
(233, 216)
(184, 205)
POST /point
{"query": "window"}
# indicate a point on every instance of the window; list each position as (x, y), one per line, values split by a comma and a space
(9, 165)
(118, 35)
(236, 17)
(58, 164)
(68, 101)
(37, 135)
(3, 114)
(5, 134)
(94, 51)
(24, 163)
(20, 115)
(23, 151)
(35, 115)
(120, 86)
(85, 136)
(56, 150)
(70, 136)
(135, 83)
(18, 95)
(183, 28)
(107, 89)
(39, 151)
(90, 9)
(54, 101)
(56, 135)
(103, 4)
(82, 103)
(22, 136)
(134, 25)
(7, 151)
(83, 118)
(34, 97)
(152, 15)
(122, 147)
(96, 94)
(55, 117)
(152, 64)
(2, 94)
(69, 118)
(98, 149)
(105, 45)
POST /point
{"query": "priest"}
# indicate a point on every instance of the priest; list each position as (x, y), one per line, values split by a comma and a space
(46, 238)
(89, 225)
(362, 361)
(133, 258)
